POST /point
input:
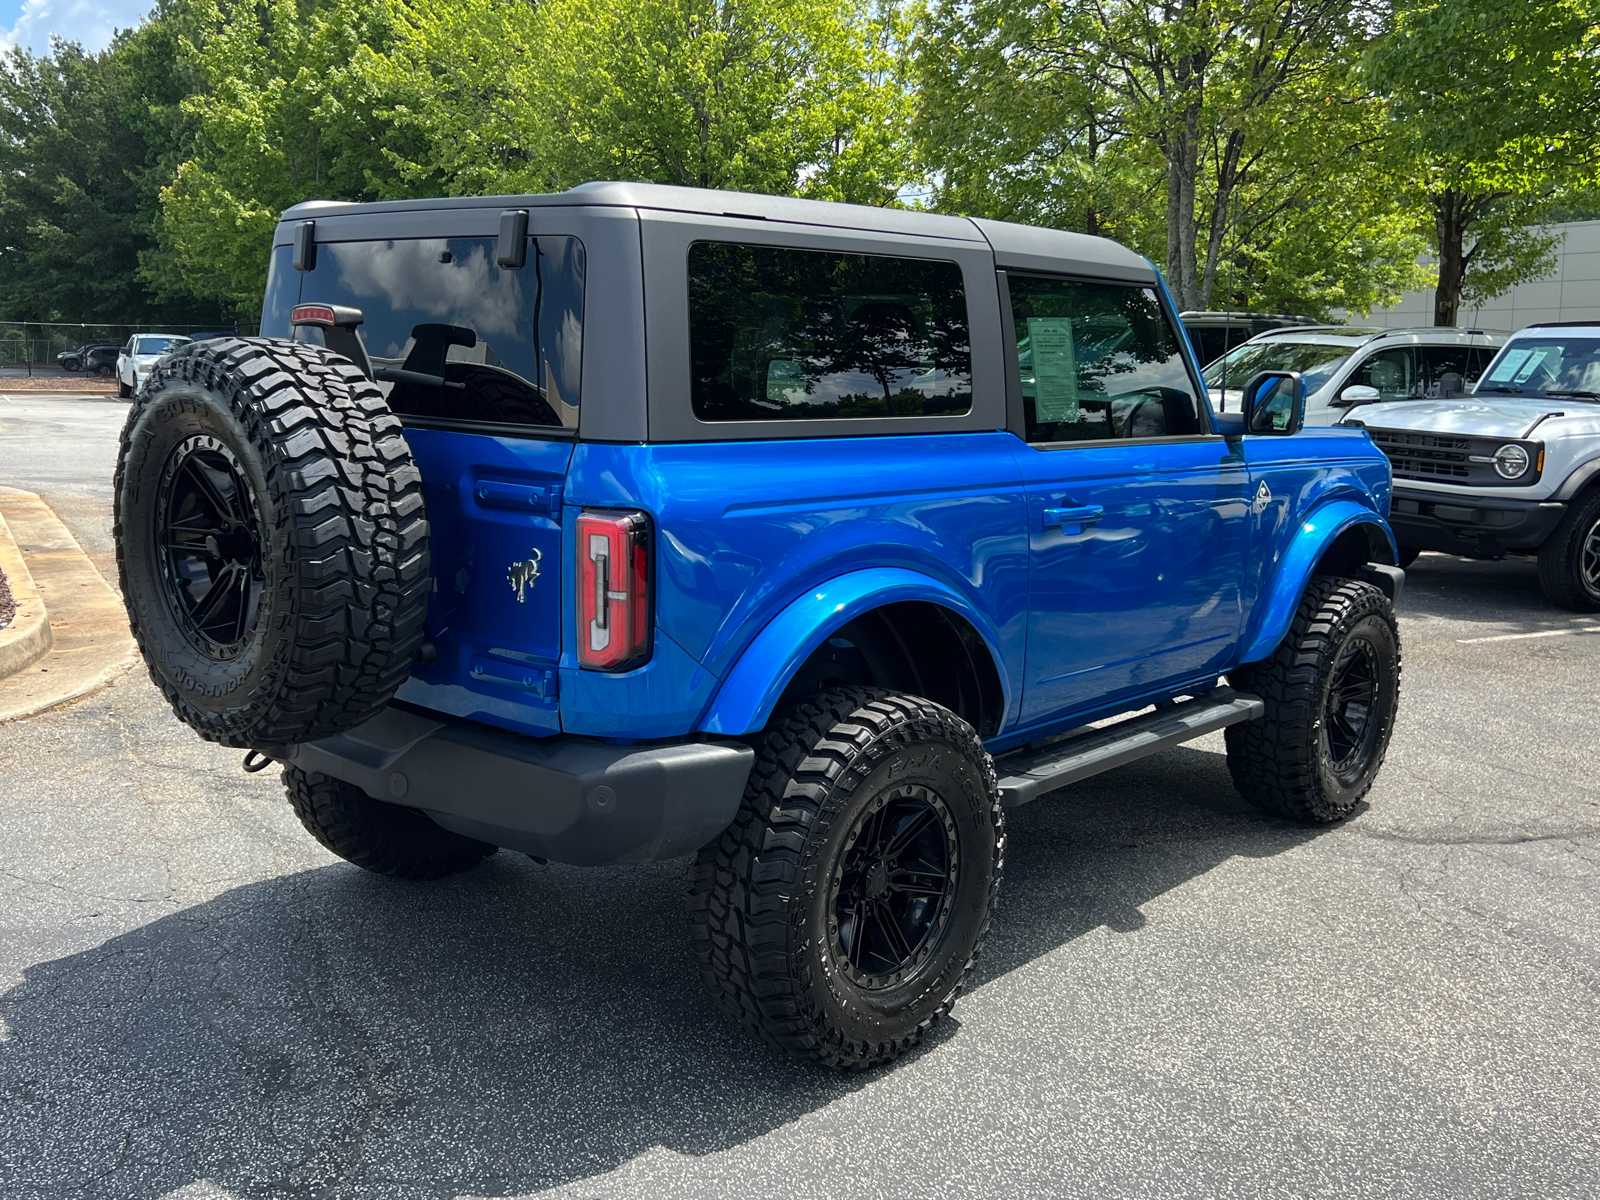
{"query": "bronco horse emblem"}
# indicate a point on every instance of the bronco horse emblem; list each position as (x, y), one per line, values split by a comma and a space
(522, 574)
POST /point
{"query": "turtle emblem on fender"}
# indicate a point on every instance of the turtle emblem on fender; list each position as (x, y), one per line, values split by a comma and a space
(522, 575)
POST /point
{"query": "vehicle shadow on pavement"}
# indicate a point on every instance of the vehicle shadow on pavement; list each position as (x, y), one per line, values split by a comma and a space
(515, 1028)
(1503, 592)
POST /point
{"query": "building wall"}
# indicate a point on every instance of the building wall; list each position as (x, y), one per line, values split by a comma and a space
(1570, 293)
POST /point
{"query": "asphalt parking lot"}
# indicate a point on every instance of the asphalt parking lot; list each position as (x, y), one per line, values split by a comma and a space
(1179, 997)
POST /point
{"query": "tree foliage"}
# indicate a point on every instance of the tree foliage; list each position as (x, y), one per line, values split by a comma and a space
(1494, 123)
(1285, 155)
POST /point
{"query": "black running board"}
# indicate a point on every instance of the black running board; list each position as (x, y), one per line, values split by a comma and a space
(1028, 774)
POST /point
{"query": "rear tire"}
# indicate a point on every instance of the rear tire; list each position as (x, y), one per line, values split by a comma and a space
(1569, 560)
(1331, 689)
(271, 541)
(838, 917)
(376, 836)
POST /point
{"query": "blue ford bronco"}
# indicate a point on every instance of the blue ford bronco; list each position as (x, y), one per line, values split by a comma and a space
(641, 522)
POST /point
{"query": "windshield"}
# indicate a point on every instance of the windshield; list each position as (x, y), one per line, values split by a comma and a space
(156, 345)
(1316, 363)
(1546, 366)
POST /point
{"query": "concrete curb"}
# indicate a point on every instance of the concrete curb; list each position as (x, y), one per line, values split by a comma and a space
(91, 646)
(27, 638)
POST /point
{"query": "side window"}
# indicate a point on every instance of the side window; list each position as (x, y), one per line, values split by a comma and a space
(1445, 370)
(1390, 371)
(1099, 361)
(283, 293)
(453, 337)
(782, 335)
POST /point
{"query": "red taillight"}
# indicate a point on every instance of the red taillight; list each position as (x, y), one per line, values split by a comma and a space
(613, 589)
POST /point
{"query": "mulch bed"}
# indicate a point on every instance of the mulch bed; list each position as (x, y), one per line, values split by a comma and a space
(86, 385)
(8, 606)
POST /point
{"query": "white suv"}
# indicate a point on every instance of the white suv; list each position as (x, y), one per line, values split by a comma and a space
(1344, 367)
(1512, 469)
(139, 355)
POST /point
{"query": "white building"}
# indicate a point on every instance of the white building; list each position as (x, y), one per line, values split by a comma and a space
(1569, 293)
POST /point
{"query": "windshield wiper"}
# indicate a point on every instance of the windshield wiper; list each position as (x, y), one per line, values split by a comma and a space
(1497, 388)
(1579, 395)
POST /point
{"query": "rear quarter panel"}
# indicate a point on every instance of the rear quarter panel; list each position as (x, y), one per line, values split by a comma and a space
(744, 527)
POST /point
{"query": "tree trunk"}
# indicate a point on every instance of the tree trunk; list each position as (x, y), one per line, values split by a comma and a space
(1449, 208)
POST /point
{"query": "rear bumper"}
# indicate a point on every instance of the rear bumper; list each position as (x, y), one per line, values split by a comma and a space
(1479, 527)
(569, 799)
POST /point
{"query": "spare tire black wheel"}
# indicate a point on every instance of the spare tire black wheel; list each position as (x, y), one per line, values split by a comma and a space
(271, 541)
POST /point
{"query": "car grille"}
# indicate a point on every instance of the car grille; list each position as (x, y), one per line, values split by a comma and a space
(1447, 458)
(1424, 455)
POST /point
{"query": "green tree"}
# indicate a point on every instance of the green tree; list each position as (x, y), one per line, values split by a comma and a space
(280, 116)
(761, 95)
(1494, 113)
(1219, 136)
(80, 161)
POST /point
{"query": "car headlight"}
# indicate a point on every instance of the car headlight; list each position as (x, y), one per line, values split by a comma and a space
(1511, 461)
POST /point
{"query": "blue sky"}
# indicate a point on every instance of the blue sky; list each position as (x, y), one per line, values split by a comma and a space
(31, 22)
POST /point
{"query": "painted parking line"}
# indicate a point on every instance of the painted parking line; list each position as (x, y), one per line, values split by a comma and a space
(1513, 637)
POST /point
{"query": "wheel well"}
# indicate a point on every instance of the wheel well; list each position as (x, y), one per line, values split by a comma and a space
(1359, 544)
(913, 646)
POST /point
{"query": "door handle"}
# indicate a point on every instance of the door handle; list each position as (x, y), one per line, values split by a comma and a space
(1083, 514)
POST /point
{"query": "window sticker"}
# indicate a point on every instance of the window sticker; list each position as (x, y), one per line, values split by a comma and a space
(1055, 369)
(1508, 365)
(1547, 357)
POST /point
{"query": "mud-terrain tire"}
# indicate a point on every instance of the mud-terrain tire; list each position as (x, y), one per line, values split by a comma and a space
(1331, 690)
(1569, 560)
(838, 917)
(375, 835)
(273, 478)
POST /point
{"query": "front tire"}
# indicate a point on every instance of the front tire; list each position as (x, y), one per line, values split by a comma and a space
(838, 917)
(1569, 560)
(1331, 689)
(375, 835)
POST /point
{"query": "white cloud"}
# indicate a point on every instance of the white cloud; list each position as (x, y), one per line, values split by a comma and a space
(89, 22)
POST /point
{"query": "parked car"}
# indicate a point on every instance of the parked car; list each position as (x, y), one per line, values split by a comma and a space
(1513, 469)
(1215, 333)
(140, 354)
(639, 522)
(1344, 367)
(97, 358)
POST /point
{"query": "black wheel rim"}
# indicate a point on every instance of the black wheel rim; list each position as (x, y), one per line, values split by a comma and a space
(209, 542)
(1349, 718)
(1589, 560)
(894, 888)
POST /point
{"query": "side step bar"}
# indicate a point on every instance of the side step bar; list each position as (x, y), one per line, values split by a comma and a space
(1028, 774)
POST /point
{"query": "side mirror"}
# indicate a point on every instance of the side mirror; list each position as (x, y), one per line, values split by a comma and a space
(1357, 393)
(1274, 402)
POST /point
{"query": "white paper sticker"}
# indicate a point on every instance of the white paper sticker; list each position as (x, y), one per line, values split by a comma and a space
(1055, 369)
(1508, 365)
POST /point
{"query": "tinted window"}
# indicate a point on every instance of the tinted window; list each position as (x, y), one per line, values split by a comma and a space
(452, 336)
(1098, 361)
(1446, 370)
(782, 335)
(283, 292)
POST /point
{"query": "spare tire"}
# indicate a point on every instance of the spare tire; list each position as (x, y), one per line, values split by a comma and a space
(271, 540)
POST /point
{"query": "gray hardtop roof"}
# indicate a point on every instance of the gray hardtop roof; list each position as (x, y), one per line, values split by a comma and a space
(1021, 247)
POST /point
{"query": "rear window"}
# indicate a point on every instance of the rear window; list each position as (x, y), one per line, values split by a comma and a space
(452, 336)
(781, 335)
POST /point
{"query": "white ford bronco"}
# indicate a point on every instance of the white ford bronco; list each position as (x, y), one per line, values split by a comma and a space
(1513, 468)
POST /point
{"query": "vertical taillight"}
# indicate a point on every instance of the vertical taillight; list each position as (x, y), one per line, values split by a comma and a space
(613, 589)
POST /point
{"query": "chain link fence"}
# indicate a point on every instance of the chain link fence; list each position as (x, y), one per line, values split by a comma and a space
(36, 345)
